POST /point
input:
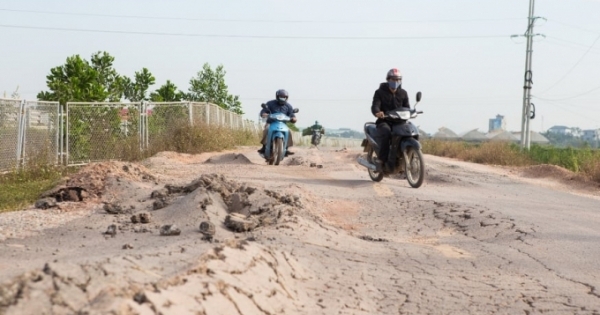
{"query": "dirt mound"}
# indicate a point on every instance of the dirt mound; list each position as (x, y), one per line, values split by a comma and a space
(93, 177)
(229, 158)
(247, 207)
(300, 161)
(548, 171)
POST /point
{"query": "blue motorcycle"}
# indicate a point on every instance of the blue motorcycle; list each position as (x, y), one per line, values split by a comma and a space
(277, 137)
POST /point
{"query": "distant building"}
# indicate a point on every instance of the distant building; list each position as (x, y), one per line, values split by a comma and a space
(591, 135)
(445, 134)
(561, 130)
(498, 123)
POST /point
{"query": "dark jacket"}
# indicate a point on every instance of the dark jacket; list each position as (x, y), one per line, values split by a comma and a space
(384, 100)
(274, 107)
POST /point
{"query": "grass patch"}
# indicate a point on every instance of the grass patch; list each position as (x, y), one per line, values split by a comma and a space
(585, 161)
(495, 153)
(202, 138)
(20, 188)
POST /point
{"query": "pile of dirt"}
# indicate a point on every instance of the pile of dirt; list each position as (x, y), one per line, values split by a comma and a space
(93, 177)
(300, 161)
(229, 158)
(247, 207)
(548, 171)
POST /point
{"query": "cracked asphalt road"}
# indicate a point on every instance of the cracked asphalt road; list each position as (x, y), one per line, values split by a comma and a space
(473, 239)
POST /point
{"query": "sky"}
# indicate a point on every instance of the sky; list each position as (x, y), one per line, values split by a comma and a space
(331, 55)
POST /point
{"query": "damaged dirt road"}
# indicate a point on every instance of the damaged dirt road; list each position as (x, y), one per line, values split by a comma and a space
(225, 234)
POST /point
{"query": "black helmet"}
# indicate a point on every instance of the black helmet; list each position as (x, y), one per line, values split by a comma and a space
(281, 96)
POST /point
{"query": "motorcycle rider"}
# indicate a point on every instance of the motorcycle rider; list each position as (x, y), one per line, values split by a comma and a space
(318, 127)
(278, 105)
(388, 97)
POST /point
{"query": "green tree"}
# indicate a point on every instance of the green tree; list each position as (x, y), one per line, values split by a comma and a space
(167, 93)
(76, 80)
(292, 126)
(108, 77)
(137, 90)
(209, 86)
(79, 80)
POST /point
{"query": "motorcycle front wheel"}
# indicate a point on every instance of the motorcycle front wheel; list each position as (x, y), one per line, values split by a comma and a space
(375, 176)
(278, 150)
(414, 167)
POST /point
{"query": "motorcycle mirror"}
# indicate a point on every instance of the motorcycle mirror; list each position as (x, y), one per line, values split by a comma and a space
(418, 96)
(296, 110)
(263, 105)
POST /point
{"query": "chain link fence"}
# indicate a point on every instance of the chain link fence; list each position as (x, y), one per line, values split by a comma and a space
(84, 132)
(10, 133)
(163, 119)
(102, 131)
(41, 132)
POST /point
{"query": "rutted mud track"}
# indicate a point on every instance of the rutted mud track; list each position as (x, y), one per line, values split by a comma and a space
(225, 234)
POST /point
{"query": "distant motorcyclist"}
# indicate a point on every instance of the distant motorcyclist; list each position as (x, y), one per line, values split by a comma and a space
(388, 97)
(278, 105)
(317, 127)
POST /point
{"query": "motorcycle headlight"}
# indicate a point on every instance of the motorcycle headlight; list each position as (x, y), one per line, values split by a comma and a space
(403, 114)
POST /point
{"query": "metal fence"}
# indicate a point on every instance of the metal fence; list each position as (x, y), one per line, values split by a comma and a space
(105, 131)
(29, 132)
(81, 132)
(84, 132)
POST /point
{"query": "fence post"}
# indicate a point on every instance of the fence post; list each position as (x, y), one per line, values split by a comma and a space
(20, 133)
(191, 112)
(141, 125)
(207, 114)
(67, 134)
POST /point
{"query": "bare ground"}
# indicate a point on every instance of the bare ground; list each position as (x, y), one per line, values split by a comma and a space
(304, 239)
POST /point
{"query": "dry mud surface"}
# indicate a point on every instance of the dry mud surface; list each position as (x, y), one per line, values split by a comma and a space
(223, 233)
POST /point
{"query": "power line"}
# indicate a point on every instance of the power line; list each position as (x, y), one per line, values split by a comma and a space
(255, 21)
(555, 103)
(575, 26)
(571, 97)
(551, 41)
(574, 66)
(251, 36)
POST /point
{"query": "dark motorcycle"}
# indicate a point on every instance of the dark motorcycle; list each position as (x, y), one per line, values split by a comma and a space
(316, 138)
(405, 150)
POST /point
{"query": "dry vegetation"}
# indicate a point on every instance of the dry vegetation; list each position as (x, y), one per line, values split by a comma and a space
(22, 187)
(584, 162)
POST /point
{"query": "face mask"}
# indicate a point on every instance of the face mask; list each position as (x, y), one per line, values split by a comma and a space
(281, 100)
(394, 84)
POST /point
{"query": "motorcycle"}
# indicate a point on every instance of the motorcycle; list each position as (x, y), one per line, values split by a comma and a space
(405, 149)
(277, 137)
(316, 138)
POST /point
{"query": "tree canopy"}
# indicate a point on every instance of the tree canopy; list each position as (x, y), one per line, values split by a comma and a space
(209, 86)
(96, 80)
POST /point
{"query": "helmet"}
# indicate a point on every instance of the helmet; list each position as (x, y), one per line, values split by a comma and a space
(281, 96)
(394, 73)
(316, 122)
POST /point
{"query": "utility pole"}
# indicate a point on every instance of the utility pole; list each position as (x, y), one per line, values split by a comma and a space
(525, 133)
